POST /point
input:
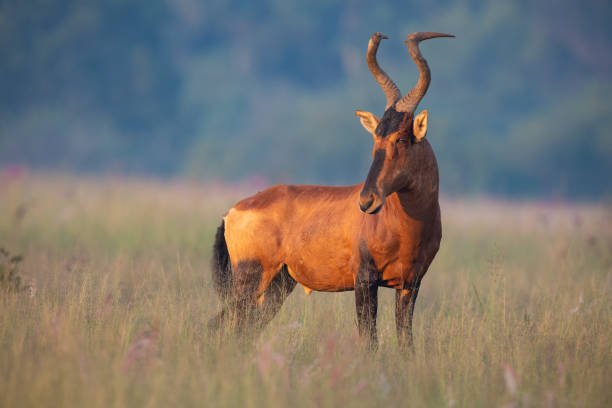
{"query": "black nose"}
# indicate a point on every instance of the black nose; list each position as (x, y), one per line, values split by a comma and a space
(366, 202)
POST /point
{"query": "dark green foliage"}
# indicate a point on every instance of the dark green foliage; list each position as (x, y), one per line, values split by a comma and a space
(230, 90)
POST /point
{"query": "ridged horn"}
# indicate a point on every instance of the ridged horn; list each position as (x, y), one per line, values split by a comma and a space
(388, 86)
(411, 100)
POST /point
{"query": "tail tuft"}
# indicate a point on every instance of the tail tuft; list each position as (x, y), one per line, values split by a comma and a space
(221, 265)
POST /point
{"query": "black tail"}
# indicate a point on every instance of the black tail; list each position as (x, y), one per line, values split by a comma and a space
(221, 265)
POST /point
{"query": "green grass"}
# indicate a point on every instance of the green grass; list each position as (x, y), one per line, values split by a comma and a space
(515, 310)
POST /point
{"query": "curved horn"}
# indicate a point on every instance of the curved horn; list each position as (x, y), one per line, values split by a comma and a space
(410, 101)
(387, 85)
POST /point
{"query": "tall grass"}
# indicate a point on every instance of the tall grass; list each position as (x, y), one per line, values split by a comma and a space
(515, 311)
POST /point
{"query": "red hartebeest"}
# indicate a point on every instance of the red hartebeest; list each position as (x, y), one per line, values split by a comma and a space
(317, 236)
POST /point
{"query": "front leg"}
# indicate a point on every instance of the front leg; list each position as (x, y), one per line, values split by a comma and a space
(366, 296)
(404, 308)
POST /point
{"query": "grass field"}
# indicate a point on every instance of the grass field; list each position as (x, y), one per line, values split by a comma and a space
(516, 309)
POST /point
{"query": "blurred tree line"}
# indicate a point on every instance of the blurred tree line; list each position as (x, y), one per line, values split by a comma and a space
(519, 102)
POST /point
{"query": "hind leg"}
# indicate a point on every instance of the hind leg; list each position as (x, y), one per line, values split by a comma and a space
(256, 296)
(274, 296)
(240, 297)
(255, 315)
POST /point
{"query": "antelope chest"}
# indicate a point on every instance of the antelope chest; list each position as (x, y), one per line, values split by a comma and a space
(397, 253)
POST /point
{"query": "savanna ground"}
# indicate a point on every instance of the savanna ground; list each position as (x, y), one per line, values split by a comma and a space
(516, 309)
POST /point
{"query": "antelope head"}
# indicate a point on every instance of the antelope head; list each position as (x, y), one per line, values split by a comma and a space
(398, 134)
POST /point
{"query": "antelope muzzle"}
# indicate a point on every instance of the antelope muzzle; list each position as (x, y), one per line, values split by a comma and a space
(372, 198)
(370, 202)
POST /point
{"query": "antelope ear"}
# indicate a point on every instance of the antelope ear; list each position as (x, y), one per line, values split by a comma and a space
(419, 126)
(368, 120)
